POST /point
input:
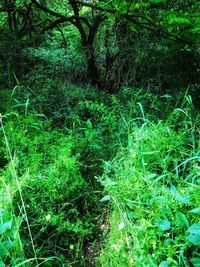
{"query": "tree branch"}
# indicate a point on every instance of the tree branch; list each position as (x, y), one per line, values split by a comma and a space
(47, 10)
(134, 19)
(57, 22)
(78, 21)
(95, 6)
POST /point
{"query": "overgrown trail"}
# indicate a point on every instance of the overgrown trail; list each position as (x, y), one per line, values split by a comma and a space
(100, 138)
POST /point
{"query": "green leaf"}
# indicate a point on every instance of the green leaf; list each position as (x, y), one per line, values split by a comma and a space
(151, 176)
(196, 29)
(105, 198)
(89, 124)
(194, 229)
(182, 220)
(132, 215)
(2, 213)
(5, 247)
(194, 239)
(121, 225)
(197, 210)
(195, 262)
(5, 226)
(175, 20)
(164, 264)
(160, 200)
(185, 199)
(164, 225)
(173, 190)
(2, 264)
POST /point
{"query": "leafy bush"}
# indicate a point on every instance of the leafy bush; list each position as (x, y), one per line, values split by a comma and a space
(57, 58)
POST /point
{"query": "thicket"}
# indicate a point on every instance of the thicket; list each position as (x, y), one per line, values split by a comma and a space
(99, 134)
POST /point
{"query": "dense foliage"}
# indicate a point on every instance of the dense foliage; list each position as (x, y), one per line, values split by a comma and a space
(99, 133)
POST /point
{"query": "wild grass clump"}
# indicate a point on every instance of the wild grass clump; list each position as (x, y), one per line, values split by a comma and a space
(99, 174)
(50, 192)
(153, 188)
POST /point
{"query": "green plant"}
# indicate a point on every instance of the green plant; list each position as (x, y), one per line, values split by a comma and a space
(11, 249)
(153, 189)
(57, 200)
(11, 245)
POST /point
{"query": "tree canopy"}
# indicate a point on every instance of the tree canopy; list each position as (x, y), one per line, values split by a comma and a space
(174, 22)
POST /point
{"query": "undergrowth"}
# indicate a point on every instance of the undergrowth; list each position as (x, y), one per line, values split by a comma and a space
(99, 180)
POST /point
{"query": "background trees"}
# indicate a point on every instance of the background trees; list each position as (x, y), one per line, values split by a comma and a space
(121, 41)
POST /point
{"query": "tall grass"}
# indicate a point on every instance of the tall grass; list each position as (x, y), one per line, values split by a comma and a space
(143, 210)
(11, 246)
(153, 188)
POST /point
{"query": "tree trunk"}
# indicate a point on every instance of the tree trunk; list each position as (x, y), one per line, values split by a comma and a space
(92, 69)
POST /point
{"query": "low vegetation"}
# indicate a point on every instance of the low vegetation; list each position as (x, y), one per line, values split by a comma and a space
(99, 133)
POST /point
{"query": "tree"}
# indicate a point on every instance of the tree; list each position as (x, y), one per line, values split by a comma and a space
(175, 21)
